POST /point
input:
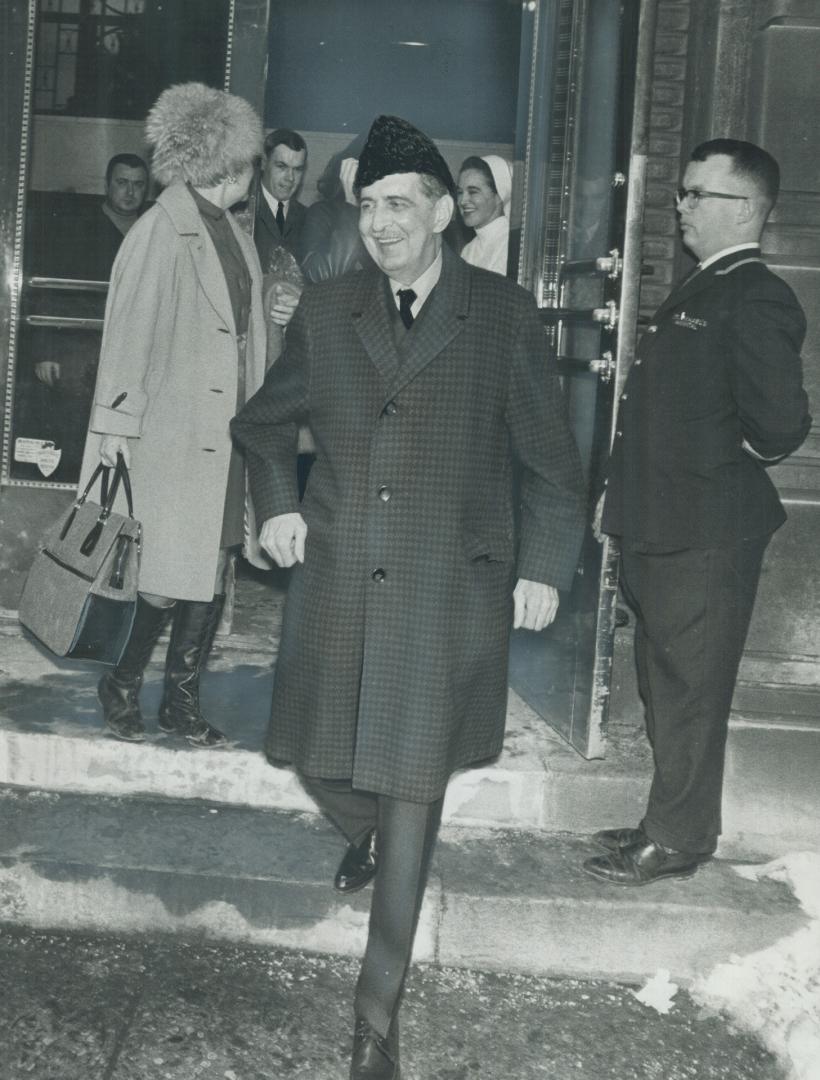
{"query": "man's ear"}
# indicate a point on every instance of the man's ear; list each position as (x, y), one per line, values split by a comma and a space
(444, 210)
(747, 210)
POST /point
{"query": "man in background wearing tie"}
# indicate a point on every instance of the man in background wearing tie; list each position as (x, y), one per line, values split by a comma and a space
(421, 378)
(279, 214)
(714, 396)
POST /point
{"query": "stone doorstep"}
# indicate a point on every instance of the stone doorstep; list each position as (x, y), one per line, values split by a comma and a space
(51, 738)
(507, 901)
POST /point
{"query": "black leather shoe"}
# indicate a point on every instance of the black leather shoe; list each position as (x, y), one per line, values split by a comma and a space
(621, 617)
(615, 839)
(642, 863)
(375, 1057)
(358, 865)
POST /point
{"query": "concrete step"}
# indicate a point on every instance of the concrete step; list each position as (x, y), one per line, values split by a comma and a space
(52, 739)
(496, 900)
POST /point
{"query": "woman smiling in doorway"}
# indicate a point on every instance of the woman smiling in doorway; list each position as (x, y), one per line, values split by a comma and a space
(484, 194)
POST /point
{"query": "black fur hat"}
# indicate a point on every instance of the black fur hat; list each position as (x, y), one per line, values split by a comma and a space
(394, 146)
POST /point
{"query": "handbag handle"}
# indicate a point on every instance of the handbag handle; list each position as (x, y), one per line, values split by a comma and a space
(107, 498)
(107, 495)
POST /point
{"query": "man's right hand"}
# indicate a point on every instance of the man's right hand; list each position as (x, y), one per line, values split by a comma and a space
(283, 537)
(110, 446)
(47, 371)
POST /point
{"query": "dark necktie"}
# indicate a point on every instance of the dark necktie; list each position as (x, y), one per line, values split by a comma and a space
(280, 218)
(406, 298)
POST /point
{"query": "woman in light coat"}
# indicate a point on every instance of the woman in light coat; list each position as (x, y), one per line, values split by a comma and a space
(183, 346)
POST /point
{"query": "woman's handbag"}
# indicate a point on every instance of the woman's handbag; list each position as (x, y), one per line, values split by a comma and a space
(81, 592)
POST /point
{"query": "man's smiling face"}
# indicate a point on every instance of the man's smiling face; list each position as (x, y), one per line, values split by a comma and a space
(401, 225)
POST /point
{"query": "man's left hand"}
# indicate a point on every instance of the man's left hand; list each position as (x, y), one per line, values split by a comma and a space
(536, 605)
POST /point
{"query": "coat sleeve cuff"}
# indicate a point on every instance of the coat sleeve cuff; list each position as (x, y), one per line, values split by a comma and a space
(107, 421)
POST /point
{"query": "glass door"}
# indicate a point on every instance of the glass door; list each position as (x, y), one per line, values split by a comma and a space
(581, 257)
(547, 85)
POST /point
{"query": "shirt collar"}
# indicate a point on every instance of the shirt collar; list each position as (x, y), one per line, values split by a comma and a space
(727, 251)
(422, 286)
(497, 227)
(273, 202)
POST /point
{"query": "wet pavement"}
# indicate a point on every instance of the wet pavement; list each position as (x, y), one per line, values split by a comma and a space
(100, 1008)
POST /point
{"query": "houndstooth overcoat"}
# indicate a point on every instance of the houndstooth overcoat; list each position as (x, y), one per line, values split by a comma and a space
(392, 668)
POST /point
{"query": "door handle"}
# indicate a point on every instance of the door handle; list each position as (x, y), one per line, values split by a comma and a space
(610, 265)
(607, 316)
(603, 366)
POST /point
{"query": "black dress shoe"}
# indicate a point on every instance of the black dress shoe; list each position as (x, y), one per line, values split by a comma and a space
(375, 1057)
(615, 839)
(643, 862)
(358, 866)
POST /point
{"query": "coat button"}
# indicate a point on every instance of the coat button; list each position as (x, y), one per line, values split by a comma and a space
(384, 494)
(638, 362)
(378, 575)
(624, 397)
(652, 329)
(390, 409)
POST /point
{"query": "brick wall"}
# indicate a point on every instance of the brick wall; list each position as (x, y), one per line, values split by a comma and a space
(665, 150)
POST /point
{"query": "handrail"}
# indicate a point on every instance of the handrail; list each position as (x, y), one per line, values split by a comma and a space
(60, 322)
(73, 284)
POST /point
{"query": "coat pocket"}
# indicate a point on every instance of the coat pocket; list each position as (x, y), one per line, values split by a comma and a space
(489, 548)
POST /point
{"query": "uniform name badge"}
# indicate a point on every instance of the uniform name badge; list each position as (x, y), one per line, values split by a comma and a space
(689, 322)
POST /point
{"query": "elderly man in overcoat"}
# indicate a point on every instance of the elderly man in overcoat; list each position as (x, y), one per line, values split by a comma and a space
(422, 379)
(714, 396)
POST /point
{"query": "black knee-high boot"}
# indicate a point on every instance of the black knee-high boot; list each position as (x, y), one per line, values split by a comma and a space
(192, 635)
(119, 690)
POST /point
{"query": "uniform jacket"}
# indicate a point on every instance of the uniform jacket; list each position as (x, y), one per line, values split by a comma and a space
(393, 663)
(167, 380)
(266, 233)
(719, 364)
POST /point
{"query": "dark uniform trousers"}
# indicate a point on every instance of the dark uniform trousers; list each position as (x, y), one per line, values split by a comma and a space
(693, 609)
(405, 837)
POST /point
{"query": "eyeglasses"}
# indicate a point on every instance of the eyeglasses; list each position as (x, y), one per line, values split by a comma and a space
(690, 197)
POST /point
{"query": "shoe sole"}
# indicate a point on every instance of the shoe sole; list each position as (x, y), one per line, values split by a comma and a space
(125, 738)
(679, 875)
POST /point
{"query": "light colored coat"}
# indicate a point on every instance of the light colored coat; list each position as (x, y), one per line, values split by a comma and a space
(167, 380)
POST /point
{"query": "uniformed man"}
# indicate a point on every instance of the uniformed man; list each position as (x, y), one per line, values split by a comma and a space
(714, 396)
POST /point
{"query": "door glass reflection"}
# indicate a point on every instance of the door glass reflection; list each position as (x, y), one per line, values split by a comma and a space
(96, 70)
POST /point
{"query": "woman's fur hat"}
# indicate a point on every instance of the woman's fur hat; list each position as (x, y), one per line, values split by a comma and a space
(201, 135)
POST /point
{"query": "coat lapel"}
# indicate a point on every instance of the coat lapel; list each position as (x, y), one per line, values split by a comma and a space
(374, 327)
(182, 211)
(292, 221)
(442, 319)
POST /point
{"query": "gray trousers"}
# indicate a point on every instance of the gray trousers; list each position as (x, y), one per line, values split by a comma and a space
(405, 837)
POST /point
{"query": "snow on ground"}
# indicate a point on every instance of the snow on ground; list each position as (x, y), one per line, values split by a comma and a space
(775, 993)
